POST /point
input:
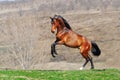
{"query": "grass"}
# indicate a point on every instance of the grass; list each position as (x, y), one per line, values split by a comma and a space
(108, 74)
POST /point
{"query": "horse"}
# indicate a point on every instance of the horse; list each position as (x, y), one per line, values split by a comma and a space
(66, 36)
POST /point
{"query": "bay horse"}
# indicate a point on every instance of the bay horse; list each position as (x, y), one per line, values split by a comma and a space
(66, 36)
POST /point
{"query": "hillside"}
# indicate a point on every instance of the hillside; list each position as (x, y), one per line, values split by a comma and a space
(25, 36)
(63, 5)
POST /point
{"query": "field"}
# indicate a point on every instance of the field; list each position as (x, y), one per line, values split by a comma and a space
(26, 38)
(105, 74)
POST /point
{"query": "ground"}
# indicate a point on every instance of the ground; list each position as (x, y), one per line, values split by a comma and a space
(27, 33)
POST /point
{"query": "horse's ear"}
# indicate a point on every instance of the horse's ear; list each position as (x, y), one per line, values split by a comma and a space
(51, 18)
(55, 15)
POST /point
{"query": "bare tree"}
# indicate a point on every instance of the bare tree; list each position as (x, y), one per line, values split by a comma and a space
(23, 44)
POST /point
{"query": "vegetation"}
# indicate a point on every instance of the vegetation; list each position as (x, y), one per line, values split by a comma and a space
(61, 6)
(108, 74)
(25, 36)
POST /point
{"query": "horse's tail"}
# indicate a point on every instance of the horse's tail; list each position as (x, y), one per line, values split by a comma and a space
(95, 49)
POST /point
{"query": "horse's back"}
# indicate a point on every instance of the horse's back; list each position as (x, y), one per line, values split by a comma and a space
(72, 39)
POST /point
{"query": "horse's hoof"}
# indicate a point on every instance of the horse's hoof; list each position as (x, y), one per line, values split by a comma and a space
(53, 56)
(92, 67)
(55, 53)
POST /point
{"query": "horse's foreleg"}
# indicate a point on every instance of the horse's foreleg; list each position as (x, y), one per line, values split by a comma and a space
(53, 47)
(53, 50)
(52, 53)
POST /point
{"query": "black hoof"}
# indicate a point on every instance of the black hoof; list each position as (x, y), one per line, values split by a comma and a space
(56, 53)
(92, 67)
(53, 56)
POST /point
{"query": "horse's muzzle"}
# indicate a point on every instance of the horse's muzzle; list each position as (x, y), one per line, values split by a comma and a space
(52, 31)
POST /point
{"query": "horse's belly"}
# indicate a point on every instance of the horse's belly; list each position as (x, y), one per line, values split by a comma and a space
(73, 44)
(73, 40)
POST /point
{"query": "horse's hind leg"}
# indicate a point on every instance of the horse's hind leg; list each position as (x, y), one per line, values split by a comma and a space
(85, 55)
(87, 58)
(91, 61)
(84, 63)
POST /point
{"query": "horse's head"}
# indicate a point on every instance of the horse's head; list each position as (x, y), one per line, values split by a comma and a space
(55, 22)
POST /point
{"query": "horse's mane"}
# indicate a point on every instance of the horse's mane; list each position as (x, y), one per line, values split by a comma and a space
(65, 22)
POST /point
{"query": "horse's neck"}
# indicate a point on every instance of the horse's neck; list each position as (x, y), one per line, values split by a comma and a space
(61, 29)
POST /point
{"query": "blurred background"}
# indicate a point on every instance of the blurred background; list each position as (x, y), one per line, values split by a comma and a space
(26, 38)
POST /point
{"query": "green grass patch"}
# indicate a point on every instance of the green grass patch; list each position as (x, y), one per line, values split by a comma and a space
(107, 74)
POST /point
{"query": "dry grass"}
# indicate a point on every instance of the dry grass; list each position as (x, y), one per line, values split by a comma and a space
(25, 39)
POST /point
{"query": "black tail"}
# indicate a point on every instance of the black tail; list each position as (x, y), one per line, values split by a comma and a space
(95, 49)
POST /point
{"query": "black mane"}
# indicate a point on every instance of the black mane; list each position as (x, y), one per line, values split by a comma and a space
(65, 22)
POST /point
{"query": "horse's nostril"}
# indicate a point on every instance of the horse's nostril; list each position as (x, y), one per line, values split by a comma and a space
(52, 31)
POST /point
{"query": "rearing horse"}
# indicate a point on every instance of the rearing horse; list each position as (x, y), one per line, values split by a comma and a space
(66, 36)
